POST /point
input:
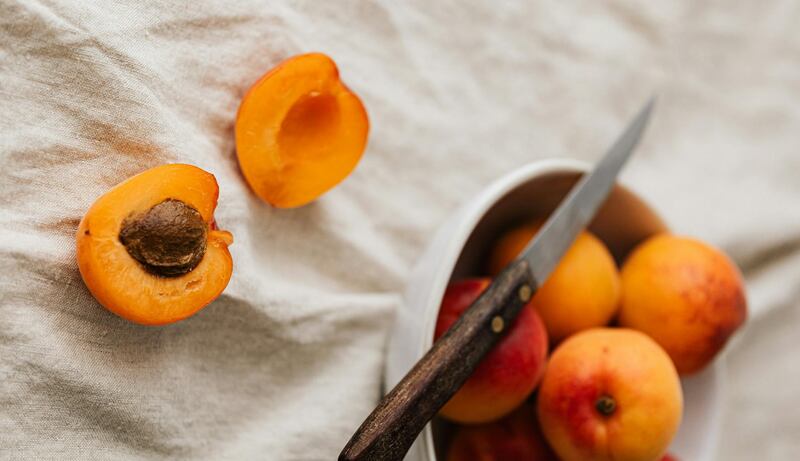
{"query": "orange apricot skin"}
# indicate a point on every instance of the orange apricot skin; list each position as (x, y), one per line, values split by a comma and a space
(509, 372)
(117, 280)
(299, 131)
(686, 295)
(515, 437)
(582, 292)
(627, 366)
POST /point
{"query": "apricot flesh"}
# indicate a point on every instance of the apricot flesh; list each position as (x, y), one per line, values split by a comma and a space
(516, 437)
(582, 292)
(299, 131)
(610, 395)
(686, 295)
(509, 372)
(169, 264)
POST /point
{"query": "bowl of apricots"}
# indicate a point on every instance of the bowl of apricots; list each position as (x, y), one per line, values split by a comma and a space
(615, 356)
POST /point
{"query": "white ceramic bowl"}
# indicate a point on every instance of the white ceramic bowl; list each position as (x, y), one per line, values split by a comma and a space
(463, 242)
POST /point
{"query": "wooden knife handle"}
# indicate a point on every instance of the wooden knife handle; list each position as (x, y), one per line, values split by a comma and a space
(387, 433)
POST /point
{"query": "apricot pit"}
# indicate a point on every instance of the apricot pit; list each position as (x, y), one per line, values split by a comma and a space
(168, 240)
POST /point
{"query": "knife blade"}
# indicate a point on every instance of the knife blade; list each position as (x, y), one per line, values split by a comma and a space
(389, 431)
(578, 208)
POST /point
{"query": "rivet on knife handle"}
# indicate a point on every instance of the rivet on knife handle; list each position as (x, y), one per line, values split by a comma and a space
(389, 431)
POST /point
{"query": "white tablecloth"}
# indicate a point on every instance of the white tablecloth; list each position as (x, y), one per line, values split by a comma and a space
(286, 363)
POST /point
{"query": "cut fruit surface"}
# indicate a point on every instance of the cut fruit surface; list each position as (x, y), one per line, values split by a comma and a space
(299, 131)
(114, 269)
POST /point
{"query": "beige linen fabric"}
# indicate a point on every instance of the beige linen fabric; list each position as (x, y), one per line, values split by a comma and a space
(286, 363)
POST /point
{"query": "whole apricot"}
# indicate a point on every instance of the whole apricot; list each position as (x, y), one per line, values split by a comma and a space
(149, 250)
(515, 437)
(508, 373)
(610, 394)
(299, 131)
(686, 295)
(582, 292)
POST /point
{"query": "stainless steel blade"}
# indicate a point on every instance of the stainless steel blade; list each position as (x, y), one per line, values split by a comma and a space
(580, 205)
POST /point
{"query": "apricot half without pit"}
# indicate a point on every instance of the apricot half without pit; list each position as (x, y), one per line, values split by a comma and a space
(149, 251)
(299, 131)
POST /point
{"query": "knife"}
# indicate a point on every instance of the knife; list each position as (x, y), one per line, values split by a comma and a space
(389, 431)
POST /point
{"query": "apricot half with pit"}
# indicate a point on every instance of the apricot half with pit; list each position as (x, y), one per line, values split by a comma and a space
(149, 251)
(299, 131)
